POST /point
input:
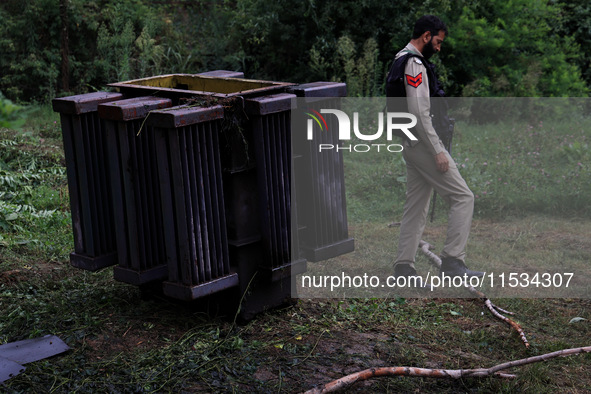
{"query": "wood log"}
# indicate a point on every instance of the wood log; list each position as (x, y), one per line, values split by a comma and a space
(442, 373)
(495, 310)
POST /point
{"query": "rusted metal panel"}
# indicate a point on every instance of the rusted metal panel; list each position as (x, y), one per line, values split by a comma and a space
(199, 195)
(187, 85)
(35, 349)
(185, 115)
(259, 289)
(13, 354)
(192, 195)
(320, 89)
(135, 189)
(133, 108)
(83, 103)
(9, 369)
(86, 165)
(271, 124)
(269, 104)
(223, 74)
(188, 293)
(322, 210)
(242, 207)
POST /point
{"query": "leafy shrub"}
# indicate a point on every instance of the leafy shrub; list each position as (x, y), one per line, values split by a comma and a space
(496, 51)
(11, 115)
(495, 48)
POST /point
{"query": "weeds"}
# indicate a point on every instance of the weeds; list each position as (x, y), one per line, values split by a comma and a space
(33, 188)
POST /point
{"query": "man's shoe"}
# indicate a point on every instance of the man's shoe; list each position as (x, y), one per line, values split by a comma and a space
(451, 266)
(404, 270)
(407, 271)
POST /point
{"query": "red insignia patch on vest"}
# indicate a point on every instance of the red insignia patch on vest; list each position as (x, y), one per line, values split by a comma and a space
(414, 81)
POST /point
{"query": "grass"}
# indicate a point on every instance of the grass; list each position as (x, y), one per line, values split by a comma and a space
(514, 166)
(34, 205)
(124, 342)
(528, 245)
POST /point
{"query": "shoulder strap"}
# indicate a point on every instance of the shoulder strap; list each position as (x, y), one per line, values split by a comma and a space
(394, 80)
(402, 60)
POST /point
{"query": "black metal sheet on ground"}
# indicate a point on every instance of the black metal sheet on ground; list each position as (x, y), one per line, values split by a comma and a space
(30, 350)
(9, 369)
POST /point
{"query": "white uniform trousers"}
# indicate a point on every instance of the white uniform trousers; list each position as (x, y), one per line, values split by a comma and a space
(422, 177)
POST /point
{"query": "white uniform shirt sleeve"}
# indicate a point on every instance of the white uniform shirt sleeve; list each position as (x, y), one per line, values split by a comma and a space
(416, 83)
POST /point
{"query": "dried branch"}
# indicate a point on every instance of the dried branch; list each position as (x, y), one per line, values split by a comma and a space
(495, 310)
(442, 373)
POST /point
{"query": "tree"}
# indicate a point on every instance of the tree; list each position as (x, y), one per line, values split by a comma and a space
(495, 47)
(510, 48)
(575, 20)
(64, 50)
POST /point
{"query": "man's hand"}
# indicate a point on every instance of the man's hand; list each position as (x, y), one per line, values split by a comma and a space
(441, 162)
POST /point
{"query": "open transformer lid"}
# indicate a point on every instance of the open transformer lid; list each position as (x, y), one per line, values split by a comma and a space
(185, 85)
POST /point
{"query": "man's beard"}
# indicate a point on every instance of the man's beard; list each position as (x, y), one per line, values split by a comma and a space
(428, 49)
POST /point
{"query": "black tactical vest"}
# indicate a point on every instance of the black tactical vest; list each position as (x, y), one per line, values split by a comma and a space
(395, 87)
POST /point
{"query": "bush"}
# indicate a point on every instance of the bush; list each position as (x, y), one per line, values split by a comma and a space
(11, 115)
(495, 48)
(513, 49)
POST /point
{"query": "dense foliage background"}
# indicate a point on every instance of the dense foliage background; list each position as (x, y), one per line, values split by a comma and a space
(495, 48)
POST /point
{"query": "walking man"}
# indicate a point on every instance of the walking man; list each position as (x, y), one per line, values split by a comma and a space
(428, 165)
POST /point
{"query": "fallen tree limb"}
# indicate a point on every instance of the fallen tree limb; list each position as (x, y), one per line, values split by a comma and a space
(442, 373)
(495, 310)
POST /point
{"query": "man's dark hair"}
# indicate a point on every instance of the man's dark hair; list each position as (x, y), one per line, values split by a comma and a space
(429, 23)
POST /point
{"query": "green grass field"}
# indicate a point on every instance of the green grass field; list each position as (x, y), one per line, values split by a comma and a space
(532, 182)
(514, 166)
